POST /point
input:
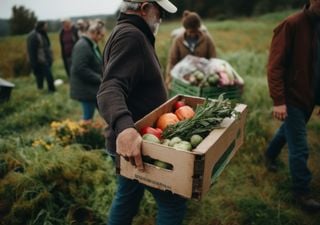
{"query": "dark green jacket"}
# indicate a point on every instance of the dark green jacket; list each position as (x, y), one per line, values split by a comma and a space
(86, 71)
(39, 49)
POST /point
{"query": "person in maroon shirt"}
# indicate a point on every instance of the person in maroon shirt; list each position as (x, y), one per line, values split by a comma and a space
(68, 36)
(293, 78)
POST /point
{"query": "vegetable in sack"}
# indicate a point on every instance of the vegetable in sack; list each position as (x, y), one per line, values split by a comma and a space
(199, 75)
(213, 79)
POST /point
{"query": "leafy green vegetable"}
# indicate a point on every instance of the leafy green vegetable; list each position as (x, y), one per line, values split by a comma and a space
(208, 116)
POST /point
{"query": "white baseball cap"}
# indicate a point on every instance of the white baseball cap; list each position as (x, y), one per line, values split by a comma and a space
(164, 4)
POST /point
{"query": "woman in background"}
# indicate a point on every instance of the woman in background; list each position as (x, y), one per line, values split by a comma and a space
(192, 41)
(86, 69)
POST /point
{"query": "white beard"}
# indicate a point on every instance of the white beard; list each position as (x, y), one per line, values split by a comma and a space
(156, 29)
(154, 25)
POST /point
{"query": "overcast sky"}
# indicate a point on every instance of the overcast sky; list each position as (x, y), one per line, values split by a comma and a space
(56, 9)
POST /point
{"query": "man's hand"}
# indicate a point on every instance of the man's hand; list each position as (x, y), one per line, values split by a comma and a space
(129, 146)
(280, 112)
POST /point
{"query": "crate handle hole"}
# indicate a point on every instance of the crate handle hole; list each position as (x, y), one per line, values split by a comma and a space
(156, 162)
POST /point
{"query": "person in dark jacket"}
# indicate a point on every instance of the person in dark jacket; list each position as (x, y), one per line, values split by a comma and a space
(294, 83)
(68, 36)
(82, 26)
(40, 55)
(132, 86)
(86, 69)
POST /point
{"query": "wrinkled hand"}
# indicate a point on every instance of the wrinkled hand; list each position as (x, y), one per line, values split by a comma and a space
(280, 112)
(129, 146)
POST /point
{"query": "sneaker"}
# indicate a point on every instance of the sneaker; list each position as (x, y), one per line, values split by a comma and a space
(307, 203)
(270, 164)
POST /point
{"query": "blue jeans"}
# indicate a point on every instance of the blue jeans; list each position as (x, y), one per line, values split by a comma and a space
(88, 109)
(125, 204)
(293, 131)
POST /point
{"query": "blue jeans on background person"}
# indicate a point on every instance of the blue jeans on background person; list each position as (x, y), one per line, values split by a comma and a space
(88, 109)
(125, 205)
(293, 131)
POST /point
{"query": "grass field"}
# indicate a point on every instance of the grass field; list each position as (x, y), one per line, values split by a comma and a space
(47, 177)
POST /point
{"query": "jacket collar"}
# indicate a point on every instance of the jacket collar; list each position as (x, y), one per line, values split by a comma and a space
(200, 39)
(138, 22)
(89, 41)
(312, 16)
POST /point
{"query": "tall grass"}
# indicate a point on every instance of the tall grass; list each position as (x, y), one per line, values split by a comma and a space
(69, 185)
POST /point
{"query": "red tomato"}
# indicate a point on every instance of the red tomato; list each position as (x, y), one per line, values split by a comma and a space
(178, 104)
(150, 130)
(158, 129)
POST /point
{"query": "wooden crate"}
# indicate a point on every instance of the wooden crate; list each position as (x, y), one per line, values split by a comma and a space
(193, 172)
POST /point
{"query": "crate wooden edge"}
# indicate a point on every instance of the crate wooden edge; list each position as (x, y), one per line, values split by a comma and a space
(160, 178)
(232, 136)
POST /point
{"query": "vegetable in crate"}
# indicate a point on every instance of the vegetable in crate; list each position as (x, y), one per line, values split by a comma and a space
(150, 130)
(208, 116)
(184, 112)
(178, 104)
(174, 141)
(183, 145)
(195, 140)
(151, 138)
(167, 119)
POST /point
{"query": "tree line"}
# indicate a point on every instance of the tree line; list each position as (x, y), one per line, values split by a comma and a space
(223, 9)
(23, 19)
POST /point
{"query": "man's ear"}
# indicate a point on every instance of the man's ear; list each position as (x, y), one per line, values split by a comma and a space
(144, 8)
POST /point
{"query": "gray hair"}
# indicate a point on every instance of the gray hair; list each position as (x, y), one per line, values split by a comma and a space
(96, 26)
(125, 6)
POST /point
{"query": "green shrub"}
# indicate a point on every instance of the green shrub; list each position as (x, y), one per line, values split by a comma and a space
(21, 66)
(51, 189)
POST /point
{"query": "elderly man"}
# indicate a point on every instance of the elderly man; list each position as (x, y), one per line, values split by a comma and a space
(132, 86)
(294, 84)
(68, 36)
